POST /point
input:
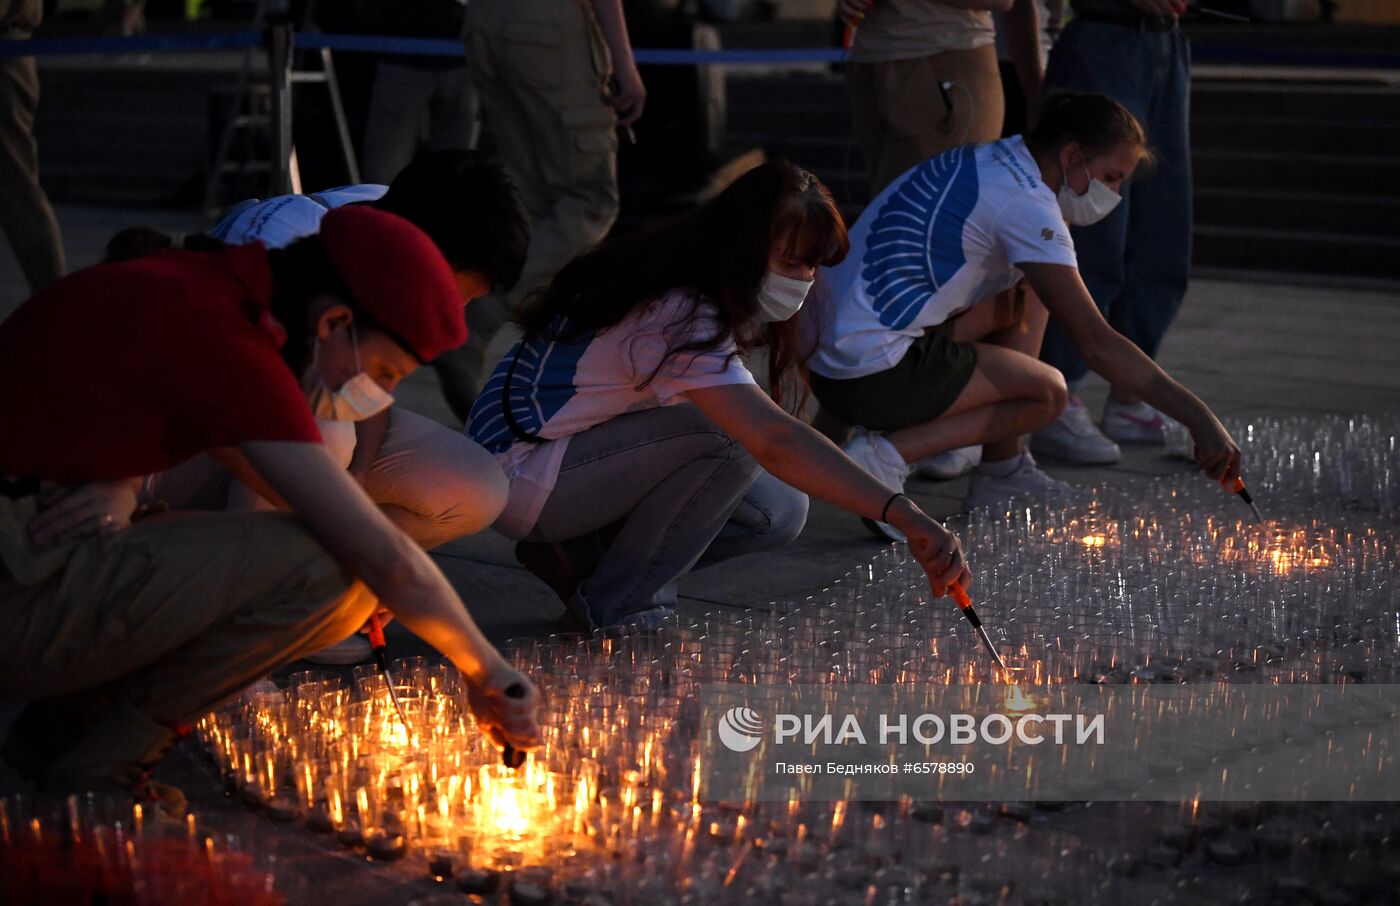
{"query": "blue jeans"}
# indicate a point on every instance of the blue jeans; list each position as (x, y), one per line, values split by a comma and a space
(679, 493)
(1135, 261)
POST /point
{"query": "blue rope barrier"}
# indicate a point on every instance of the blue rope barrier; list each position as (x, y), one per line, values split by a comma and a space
(385, 44)
(431, 47)
(1205, 52)
(65, 47)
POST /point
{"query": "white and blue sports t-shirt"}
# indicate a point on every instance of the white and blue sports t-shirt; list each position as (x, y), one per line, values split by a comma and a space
(559, 388)
(280, 221)
(942, 237)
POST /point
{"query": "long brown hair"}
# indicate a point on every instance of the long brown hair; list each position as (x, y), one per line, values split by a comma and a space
(718, 254)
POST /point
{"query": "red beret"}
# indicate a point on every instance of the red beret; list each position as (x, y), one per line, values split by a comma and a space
(398, 276)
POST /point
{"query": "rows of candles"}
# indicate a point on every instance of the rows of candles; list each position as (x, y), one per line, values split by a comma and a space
(93, 848)
(1167, 581)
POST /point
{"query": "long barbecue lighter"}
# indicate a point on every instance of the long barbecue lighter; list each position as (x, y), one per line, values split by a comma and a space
(965, 602)
(1243, 493)
(376, 644)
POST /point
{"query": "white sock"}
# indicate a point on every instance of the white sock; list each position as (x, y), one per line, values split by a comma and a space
(1000, 469)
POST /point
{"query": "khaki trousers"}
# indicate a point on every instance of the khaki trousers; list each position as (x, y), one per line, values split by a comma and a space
(435, 483)
(116, 640)
(542, 69)
(25, 214)
(901, 119)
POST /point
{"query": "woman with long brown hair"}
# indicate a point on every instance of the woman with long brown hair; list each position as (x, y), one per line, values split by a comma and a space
(626, 407)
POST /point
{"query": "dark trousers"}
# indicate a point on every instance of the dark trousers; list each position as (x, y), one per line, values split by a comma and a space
(25, 214)
(1135, 261)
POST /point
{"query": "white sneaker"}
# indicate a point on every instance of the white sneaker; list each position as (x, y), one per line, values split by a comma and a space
(1025, 481)
(949, 465)
(1074, 438)
(878, 456)
(1135, 423)
(354, 650)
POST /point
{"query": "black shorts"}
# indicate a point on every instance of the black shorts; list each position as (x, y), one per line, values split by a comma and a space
(917, 390)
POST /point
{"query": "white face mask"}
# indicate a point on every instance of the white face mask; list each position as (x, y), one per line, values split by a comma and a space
(357, 399)
(1091, 207)
(780, 297)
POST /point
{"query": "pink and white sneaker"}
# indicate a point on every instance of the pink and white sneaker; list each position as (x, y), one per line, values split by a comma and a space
(1073, 438)
(1135, 423)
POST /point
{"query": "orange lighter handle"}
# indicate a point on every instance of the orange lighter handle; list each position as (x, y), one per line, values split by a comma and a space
(960, 595)
(376, 631)
(1237, 485)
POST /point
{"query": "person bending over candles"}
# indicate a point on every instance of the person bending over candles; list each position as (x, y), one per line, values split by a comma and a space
(121, 630)
(625, 413)
(929, 330)
(430, 480)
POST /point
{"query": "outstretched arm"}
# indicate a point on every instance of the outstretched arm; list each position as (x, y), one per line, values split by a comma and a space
(403, 577)
(1116, 358)
(796, 454)
(1023, 35)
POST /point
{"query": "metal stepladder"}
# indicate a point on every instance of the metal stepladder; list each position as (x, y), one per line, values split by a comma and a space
(263, 104)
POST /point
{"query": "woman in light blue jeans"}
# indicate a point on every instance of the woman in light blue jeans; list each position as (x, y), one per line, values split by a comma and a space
(682, 472)
(636, 442)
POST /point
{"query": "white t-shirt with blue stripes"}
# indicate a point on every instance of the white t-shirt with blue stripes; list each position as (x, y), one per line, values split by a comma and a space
(558, 388)
(942, 237)
(280, 221)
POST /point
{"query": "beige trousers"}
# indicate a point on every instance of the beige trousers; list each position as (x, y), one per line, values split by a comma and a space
(116, 640)
(901, 119)
(25, 214)
(446, 485)
(542, 70)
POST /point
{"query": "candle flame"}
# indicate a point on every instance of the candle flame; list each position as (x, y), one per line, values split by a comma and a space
(1017, 700)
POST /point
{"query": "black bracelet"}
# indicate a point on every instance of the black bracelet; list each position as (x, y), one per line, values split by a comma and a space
(884, 513)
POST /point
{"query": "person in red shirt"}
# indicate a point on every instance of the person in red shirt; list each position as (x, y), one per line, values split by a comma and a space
(122, 629)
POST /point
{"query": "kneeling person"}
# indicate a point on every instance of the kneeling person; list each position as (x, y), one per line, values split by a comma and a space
(929, 330)
(118, 633)
(433, 482)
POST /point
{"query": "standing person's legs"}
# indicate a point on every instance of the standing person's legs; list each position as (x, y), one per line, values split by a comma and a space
(25, 213)
(461, 371)
(976, 79)
(456, 111)
(1159, 223)
(434, 483)
(1016, 119)
(669, 477)
(915, 122)
(1106, 59)
(150, 628)
(559, 87)
(542, 70)
(397, 122)
(863, 80)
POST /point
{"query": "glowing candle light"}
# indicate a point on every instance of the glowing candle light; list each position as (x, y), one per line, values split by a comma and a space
(1016, 700)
